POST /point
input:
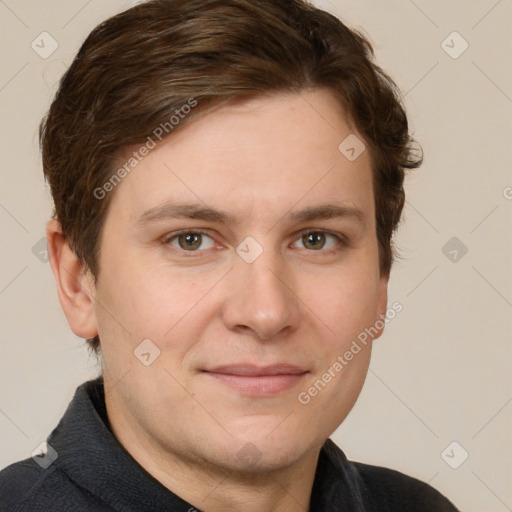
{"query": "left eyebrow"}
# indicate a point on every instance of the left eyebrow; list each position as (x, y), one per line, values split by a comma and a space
(329, 211)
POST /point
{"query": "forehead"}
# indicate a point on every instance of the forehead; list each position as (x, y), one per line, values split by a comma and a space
(255, 159)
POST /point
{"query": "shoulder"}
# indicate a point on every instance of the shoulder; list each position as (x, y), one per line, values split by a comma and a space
(399, 491)
(19, 481)
(25, 486)
(375, 488)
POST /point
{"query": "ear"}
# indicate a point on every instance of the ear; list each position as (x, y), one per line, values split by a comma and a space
(382, 305)
(75, 284)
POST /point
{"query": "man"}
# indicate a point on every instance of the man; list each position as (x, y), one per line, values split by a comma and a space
(227, 176)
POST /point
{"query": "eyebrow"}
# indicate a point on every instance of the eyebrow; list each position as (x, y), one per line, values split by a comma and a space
(198, 211)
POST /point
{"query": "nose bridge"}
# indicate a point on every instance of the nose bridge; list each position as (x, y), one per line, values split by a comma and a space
(261, 299)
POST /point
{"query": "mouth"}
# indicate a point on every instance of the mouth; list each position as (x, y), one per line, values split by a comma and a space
(251, 380)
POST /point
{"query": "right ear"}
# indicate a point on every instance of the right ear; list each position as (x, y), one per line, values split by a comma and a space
(75, 283)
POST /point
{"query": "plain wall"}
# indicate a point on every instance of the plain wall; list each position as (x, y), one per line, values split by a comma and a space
(442, 372)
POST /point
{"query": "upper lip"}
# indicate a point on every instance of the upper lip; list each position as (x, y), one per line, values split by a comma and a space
(256, 371)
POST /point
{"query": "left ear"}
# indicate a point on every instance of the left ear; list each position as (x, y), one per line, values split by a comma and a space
(382, 305)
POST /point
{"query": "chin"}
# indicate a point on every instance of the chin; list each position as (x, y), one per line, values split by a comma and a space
(261, 452)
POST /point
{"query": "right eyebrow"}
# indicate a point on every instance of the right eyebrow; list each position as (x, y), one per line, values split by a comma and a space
(185, 211)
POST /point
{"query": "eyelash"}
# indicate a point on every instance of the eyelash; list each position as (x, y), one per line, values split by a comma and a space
(342, 242)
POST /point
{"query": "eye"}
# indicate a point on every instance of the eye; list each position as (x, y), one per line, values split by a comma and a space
(321, 240)
(190, 241)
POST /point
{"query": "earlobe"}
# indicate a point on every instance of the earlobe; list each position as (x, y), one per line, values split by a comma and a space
(75, 284)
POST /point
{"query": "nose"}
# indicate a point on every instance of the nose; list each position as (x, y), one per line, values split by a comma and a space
(261, 297)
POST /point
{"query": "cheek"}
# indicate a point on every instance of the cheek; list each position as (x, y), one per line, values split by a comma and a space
(347, 302)
(347, 306)
(138, 296)
(141, 302)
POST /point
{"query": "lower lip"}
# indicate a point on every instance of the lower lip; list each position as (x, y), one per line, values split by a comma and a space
(259, 385)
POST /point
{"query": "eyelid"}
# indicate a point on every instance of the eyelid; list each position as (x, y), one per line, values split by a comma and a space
(175, 234)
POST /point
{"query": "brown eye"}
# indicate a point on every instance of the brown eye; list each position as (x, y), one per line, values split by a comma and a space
(190, 241)
(323, 242)
(314, 241)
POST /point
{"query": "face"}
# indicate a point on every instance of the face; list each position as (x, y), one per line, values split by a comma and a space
(244, 249)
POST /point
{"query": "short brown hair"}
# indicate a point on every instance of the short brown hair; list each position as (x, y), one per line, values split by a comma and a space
(138, 69)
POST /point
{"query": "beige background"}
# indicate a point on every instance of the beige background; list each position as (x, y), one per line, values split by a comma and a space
(442, 371)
